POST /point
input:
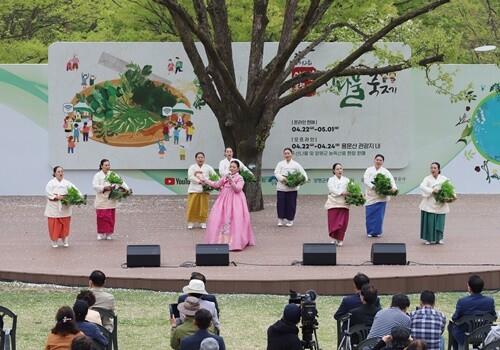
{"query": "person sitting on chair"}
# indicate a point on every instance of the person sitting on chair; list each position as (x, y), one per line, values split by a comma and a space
(427, 323)
(366, 312)
(284, 334)
(353, 301)
(88, 328)
(187, 308)
(202, 320)
(399, 339)
(208, 297)
(385, 319)
(103, 300)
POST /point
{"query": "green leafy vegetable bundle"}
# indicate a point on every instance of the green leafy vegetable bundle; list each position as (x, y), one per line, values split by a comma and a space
(446, 194)
(119, 193)
(248, 176)
(213, 177)
(74, 198)
(355, 197)
(113, 178)
(383, 186)
(295, 179)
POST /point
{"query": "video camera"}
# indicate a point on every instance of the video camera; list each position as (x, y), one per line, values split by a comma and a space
(309, 312)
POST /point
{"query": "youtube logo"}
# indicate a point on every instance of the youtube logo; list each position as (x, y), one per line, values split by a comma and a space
(169, 181)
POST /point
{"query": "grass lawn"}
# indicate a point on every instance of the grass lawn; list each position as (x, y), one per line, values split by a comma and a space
(143, 315)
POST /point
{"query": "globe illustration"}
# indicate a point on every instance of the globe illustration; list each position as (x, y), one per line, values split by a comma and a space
(486, 128)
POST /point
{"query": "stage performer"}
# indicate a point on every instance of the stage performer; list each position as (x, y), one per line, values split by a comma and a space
(433, 214)
(286, 192)
(197, 203)
(229, 220)
(338, 209)
(376, 204)
(224, 164)
(58, 214)
(105, 208)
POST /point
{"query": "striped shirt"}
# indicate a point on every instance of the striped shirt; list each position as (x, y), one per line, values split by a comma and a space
(428, 324)
(385, 319)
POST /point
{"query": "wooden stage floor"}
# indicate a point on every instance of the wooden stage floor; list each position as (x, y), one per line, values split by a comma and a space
(471, 246)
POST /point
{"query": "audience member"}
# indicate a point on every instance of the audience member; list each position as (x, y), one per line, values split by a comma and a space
(385, 319)
(81, 342)
(103, 300)
(493, 335)
(88, 328)
(188, 308)
(89, 297)
(65, 330)
(397, 340)
(209, 344)
(417, 344)
(284, 334)
(366, 312)
(202, 320)
(353, 301)
(196, 288)
(207, 297)
(473, 304)
(427, 323)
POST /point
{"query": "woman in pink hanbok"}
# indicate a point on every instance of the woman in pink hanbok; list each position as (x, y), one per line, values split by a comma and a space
(229, 220)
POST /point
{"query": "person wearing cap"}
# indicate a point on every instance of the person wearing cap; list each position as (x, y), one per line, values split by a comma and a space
(209, 297)
(202, 320)
(187, 308)
(88, 328)
(399, 339)
(196, 288)
(209, 344)
(284, 334)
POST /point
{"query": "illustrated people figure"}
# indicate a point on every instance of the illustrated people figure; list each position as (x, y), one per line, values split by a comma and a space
(178, 65)
(230, 226)
(85, 77)
(71, 145)
(161, 148)
(176, 133)
(76, 133)
(66, 126)
(180, 121)
(75, 61)
(189, 131)
(69, 65)
(78, 116)
(92, 79)
(166, 130)
(182, 153)
(58, 215)
(85, 131)
(170, 66)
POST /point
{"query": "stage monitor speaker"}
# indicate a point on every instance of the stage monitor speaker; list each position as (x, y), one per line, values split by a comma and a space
(319, 254)
(388, 254)
(212, 254)
(143, 256)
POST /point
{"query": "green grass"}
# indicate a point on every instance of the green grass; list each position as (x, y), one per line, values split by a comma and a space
(143, 315)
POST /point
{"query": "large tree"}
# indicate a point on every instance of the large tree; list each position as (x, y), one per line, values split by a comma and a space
(245, 121)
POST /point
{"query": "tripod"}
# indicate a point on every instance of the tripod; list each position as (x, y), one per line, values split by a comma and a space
(345, 344)
(310, 338)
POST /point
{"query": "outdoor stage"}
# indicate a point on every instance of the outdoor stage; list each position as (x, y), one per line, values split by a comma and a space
(471, 246)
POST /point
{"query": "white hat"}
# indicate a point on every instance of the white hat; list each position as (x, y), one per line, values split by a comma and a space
(209, 344)
(195, 287)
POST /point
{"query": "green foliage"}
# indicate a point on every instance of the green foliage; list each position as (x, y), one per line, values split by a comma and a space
(212, 177)
(119, 193)
(446, 194)
(295, 179)
(74, 198)
(248, 176)
(113, 178)
(354, 196)
(383, 186)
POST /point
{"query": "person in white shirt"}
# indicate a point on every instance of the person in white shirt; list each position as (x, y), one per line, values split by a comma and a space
(58, 214)
(338, 209)
(287, 196)
(224, 164)
(376, 204)
(433, 214)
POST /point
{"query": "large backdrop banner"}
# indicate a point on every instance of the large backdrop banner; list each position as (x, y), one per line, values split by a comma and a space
(139, 105)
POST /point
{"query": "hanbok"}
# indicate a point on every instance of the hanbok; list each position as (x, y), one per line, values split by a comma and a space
(229, 220)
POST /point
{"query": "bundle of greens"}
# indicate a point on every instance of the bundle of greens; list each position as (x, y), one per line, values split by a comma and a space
(119, 193)
(295, 179)
(383, 186)
(213, 177)
(248, 176)
(446, 194)
(113, 178)
(355, 197)
(74, 198)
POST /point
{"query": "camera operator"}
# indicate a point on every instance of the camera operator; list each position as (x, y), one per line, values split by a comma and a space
(284, 334)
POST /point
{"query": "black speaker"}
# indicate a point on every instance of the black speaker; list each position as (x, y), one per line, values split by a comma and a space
(319, 254)
(212, 254)
(388, 254)
(143, 256)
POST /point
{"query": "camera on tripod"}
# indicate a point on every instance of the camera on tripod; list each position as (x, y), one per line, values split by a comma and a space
(309, 312)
